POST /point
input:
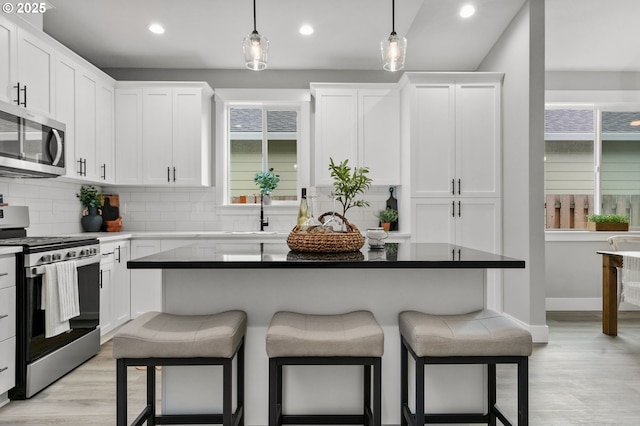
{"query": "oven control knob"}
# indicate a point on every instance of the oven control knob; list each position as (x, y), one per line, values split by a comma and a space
(45, 258)
(83, 252)
(72, 253)
(56, 256)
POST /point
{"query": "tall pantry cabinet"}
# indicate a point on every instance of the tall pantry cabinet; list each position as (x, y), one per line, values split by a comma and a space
(453, 134)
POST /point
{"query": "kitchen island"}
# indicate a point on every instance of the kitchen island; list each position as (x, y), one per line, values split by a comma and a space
(262, 278)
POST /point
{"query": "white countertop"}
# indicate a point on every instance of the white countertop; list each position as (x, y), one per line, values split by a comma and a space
(9, 250)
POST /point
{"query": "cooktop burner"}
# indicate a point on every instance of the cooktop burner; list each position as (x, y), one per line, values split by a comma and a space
(40, 242)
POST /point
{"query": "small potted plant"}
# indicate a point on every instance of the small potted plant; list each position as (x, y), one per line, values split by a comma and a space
(91, 200)
(348, 184)
(607, 222)
(267, 182)
(386, 217)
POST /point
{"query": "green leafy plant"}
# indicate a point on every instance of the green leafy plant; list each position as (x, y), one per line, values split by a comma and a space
(388, 215)
(266, 181)
(348, 184)
(609, 218)
(89, 196)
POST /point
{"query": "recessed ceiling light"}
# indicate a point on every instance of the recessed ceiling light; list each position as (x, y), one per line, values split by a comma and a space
(467, 11)
(156, 28)
(306, 29)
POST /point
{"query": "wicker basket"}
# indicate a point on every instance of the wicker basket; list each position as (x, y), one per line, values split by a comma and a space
(334, 242)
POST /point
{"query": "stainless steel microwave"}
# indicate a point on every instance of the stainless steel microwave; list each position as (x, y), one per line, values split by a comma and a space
(30, 145)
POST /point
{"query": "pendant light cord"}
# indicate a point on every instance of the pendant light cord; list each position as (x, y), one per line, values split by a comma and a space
(393, 16)
(254, 16)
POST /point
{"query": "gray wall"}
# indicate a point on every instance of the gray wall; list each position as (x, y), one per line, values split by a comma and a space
(520, 54)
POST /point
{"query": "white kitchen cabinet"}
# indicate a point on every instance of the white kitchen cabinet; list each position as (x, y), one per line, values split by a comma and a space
(8, 60)
(115, 286)
(455, 134)
(146, 285)
(163, 134)
(361, 123)
(7, 326)
(35, 73)
(66, 87)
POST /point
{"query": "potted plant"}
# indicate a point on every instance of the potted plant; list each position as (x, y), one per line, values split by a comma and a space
(267, 182)
(91, 200)
(607, 222)
(347, 184)
(387, 216)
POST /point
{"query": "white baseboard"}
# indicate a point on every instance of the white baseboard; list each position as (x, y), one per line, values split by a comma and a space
(539, 333)
(581, 304)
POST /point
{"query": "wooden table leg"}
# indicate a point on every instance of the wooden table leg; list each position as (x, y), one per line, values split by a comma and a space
(610, 293)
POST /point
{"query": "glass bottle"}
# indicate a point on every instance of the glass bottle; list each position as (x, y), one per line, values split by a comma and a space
(303, 211)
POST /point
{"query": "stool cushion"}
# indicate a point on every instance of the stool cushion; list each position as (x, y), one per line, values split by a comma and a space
(298, 335)
(481, 333)
(161, 335)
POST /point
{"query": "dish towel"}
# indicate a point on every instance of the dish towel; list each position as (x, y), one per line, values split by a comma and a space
(68, 290)
(51, 303)
(631, 279)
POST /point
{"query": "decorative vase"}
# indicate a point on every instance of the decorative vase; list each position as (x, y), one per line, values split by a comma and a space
(266, 199)
(386, 226)
(92, 221)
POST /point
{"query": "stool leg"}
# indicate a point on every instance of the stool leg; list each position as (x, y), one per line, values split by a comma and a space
(367, 395)
(240, 383)
(523, 392)
(419, 416)
(121, 393)
(404, 382)
(151, 394)
(377, 392)
(227, 392)
(275, 390)
(491, 393)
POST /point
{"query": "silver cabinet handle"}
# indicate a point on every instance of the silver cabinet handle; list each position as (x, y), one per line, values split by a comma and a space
(118, 258)
(104, 171)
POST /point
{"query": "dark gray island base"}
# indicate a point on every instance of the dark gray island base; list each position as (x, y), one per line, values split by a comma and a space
(278, 256)
(263, 278)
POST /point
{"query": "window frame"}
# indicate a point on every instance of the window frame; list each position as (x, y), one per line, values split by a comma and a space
(292, 99)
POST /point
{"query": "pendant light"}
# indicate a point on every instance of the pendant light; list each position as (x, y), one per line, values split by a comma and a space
(255, 47)
(393, 48)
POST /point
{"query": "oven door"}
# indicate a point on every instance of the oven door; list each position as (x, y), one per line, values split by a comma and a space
(88, 320)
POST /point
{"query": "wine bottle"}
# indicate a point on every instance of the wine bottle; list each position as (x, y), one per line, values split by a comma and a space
(303, 211)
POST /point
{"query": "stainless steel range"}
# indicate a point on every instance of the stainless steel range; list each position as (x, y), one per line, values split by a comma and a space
(41, 360)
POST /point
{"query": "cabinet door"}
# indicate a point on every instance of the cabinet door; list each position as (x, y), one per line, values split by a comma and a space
(7, 312)
(105, 133)
(121, 284)
(66, 80)
(157, 136)
(478, 140)
(379, 134)
(146, 285)
(35, 71)
(336, 133)
(106, 294)
(433, 140)
(433, 220)
(8, 61)
(86, 115)
(128, 136)
(7, 364)
(478, 222)
(187, 137)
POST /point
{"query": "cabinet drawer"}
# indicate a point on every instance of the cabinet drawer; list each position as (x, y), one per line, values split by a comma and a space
(7, 272)
(7, 364)
(7, 312)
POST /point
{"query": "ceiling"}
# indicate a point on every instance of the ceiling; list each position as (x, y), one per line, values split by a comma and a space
(580, 34)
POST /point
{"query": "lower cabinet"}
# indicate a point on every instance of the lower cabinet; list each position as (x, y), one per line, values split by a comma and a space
(7, 326)
(115, 286)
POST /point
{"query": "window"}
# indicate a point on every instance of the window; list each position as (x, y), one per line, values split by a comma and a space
(259, 130)
(592, 164)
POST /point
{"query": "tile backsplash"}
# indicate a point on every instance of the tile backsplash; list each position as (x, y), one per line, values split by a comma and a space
(55, 209)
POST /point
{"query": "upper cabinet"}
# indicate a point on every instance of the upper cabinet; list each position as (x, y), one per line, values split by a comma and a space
(26, 69)
(361, 123)
(455, 134)
(163, 134)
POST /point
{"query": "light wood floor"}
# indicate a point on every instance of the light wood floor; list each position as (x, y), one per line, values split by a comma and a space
(581, 377)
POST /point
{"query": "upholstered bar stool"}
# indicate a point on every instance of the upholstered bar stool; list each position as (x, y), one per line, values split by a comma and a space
(482, 337)
(156, 338)
(353, 338)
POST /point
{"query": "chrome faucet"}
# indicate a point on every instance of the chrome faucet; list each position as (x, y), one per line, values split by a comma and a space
(263, 222)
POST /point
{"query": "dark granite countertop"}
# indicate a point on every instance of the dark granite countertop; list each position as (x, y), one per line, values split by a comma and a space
(276, 255)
